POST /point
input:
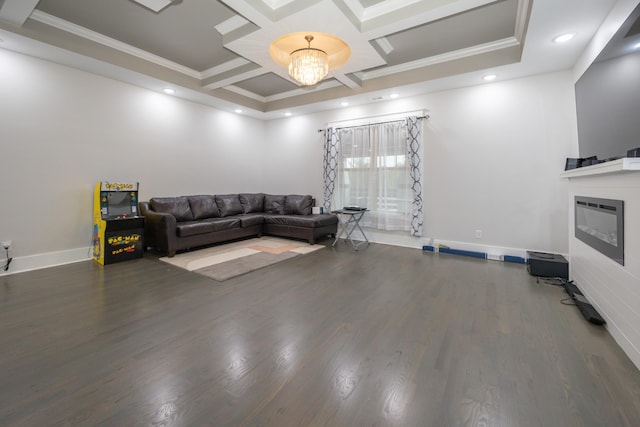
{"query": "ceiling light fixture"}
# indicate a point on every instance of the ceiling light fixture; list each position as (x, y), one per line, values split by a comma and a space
(169, 91)
(394, 95)
(563, 38)
(309, 65)
(490, 77)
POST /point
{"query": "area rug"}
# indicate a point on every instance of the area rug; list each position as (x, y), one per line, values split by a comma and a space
(236, 258)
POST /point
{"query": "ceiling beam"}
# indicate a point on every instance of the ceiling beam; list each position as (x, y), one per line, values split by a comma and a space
(239, 74)
(16, 12)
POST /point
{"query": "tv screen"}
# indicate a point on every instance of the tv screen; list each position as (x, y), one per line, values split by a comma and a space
(608, 96)
(119, 203)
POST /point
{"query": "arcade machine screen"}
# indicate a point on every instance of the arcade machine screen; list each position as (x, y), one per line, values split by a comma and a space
(119, 204)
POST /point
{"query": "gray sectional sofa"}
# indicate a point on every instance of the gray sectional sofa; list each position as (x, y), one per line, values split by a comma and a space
(184, 222)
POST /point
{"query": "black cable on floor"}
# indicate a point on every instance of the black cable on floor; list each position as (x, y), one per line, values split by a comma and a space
(6, 266)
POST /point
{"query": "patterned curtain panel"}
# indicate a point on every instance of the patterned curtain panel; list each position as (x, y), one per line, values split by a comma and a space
(414, 152)
(330, 163)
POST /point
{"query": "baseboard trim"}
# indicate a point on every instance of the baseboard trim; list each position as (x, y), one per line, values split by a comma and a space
(493, 253)
(49, 259)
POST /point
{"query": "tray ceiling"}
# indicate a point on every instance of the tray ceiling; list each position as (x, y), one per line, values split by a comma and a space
(220, 49)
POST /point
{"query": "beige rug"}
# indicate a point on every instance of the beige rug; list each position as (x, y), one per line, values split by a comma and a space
(233, 259)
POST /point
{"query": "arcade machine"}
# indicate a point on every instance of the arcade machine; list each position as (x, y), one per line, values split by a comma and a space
(118, 231)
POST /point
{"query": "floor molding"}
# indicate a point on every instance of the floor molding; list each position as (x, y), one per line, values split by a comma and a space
(49, 259)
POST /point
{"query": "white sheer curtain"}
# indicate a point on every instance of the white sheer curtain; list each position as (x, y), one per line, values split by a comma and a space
(374, 171)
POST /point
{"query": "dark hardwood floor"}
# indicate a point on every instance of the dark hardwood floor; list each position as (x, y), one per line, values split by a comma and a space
(382, 337)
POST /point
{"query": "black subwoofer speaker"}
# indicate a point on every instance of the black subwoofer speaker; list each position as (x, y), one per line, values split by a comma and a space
(547, 265)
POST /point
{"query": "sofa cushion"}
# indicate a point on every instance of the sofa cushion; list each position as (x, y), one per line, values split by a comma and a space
(228, 204)
(192, 228)
(274, 204)
(247, 220)
(301, 220)
(298, 205)
(252, 202)
(176, 206)
(203, 207)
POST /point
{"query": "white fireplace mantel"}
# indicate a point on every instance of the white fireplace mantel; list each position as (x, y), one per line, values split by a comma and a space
(624, 165)
(613, 289)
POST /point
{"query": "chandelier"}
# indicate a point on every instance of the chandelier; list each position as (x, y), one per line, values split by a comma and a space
(308, 65)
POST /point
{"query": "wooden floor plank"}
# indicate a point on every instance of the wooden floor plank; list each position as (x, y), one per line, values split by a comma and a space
(386, 336)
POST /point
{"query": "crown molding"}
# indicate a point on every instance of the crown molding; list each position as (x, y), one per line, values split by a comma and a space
(327, 84)
(231, 24)
(246, 93)
(438, 59)
(87, 34)
(385, 8)
(223, 68)
(384, 44)
(522, 18)
(276, 4)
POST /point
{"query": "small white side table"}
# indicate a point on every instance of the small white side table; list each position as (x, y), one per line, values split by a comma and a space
(349, 221)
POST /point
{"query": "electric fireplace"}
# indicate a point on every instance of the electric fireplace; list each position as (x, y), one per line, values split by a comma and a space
(600, 224)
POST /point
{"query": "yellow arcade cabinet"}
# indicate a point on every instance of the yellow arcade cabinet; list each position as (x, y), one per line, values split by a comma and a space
(118, 231)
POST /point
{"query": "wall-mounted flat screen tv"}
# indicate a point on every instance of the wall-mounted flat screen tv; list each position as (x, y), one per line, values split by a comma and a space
(608, 96)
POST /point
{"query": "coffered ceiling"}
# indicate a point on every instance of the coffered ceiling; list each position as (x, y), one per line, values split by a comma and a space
(217, 52)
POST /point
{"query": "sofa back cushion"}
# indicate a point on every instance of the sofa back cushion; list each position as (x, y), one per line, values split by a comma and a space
(176, 206)
(252, 202)
(298, 205)
(228, 204)
(203, 207)
(274, 204)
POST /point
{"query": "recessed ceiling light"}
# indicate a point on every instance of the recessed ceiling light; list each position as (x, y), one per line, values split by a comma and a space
(287, 114)
(344, 103)
(562, 38)
(238, 110)
(490, 77)
(636, 46)
(394, 95)
(169, 91)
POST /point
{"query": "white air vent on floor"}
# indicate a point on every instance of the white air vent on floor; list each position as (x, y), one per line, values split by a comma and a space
(156, 5)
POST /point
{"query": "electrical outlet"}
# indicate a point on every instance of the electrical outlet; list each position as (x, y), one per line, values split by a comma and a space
(478, 234)
(6, 244)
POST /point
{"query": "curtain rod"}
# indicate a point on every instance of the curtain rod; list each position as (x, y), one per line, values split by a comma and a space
(426, 116)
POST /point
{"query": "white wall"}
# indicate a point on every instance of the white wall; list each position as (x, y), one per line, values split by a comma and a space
(493, 155)
(294, 152)
(63, 130)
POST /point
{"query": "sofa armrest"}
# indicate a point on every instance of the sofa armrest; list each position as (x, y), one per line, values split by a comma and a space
(159, 229)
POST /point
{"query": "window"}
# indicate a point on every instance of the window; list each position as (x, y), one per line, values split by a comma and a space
(377, 166)
(373, 170)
